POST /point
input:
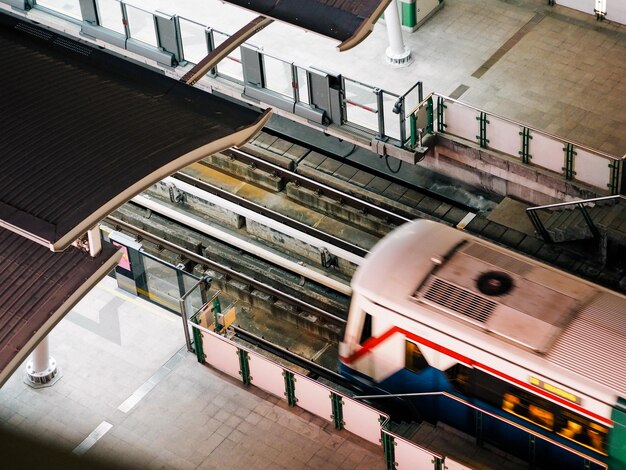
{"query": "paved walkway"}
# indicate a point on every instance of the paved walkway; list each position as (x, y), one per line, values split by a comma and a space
(552, 68)
(126, 378)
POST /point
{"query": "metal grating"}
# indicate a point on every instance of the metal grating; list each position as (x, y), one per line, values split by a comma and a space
(459, 300)
(497, 258)
(37, 32)
(72, 46)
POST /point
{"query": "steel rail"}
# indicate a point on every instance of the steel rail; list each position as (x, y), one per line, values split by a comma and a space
(276, 216)
(259, 251)
(373, 171)
(225, 270)
(321, 189)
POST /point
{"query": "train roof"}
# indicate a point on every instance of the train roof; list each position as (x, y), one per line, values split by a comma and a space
(566, 320)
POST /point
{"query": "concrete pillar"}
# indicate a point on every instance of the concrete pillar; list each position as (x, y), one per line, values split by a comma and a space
(397, 54)
(41, 368)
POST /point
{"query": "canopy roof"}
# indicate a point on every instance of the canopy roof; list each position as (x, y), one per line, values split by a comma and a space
(349, 21)
(83, 132)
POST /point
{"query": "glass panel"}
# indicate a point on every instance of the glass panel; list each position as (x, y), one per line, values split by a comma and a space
(67, 7)
(194, 40)
(361, 105)
(411, 101)
(277, 76)
(392, 120)
(303, 85)
(111, 15)
(162, 280)
(193, 302)
(141, 25)
(230, 67)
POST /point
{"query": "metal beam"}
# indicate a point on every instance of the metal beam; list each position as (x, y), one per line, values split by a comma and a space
(220, 52)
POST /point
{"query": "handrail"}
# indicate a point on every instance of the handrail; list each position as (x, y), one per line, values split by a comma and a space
(531, 212)
(493, 415)
(385, 419)
(581, 201)
(534, 129)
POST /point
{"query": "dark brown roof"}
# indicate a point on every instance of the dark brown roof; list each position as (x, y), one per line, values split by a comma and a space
(348, 21)
(82, 132)
(37, 288)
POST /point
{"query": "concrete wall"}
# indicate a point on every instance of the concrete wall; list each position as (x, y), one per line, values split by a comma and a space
(503, 175)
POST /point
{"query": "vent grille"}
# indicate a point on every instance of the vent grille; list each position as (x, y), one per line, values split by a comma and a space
(495, 258)
(72, 46)
(459, 300)
(37, 32)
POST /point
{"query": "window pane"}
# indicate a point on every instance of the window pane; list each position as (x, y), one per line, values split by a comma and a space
(194, 40)
(141, 25)
(193, 302)
(361, 105)
(303, 86)
(392, 120)
(415, 361)
(278, 76)
(111, 15)
(162, 283)
(230, 66)
(67, 7)
(367, 329)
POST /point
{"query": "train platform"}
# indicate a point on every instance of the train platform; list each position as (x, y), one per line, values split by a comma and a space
(131, 396)
(549, 67)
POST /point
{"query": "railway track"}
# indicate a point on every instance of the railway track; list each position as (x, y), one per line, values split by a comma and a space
(289, 228)
(311, 289)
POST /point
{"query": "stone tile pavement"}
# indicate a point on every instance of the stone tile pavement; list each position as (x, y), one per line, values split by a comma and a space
(566, 75)
(112, 346)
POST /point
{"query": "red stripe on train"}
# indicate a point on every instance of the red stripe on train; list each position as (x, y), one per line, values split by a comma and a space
(373, 342)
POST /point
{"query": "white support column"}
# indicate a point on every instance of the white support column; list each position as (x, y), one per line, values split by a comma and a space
(41, 368)
(600, 9)
(397, 54)
(95, 242)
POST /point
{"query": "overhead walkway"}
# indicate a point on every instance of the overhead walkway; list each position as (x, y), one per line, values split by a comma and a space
(82, 132)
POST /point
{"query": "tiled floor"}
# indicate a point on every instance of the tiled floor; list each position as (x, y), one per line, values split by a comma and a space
(124, 372)
(557, 69)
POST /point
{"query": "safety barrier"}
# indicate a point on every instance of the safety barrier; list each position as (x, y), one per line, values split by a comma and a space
(316, 398)
(173, 40)
(441, 114)
(151, 278)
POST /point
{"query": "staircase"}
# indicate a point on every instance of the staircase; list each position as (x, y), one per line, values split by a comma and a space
(456, 445)
(602, 219)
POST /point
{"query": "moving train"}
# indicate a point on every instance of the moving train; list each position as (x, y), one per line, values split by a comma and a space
(540, 352)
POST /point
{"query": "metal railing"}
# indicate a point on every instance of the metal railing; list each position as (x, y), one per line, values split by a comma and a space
(573, 161)
(538, 224)
(508, 422)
